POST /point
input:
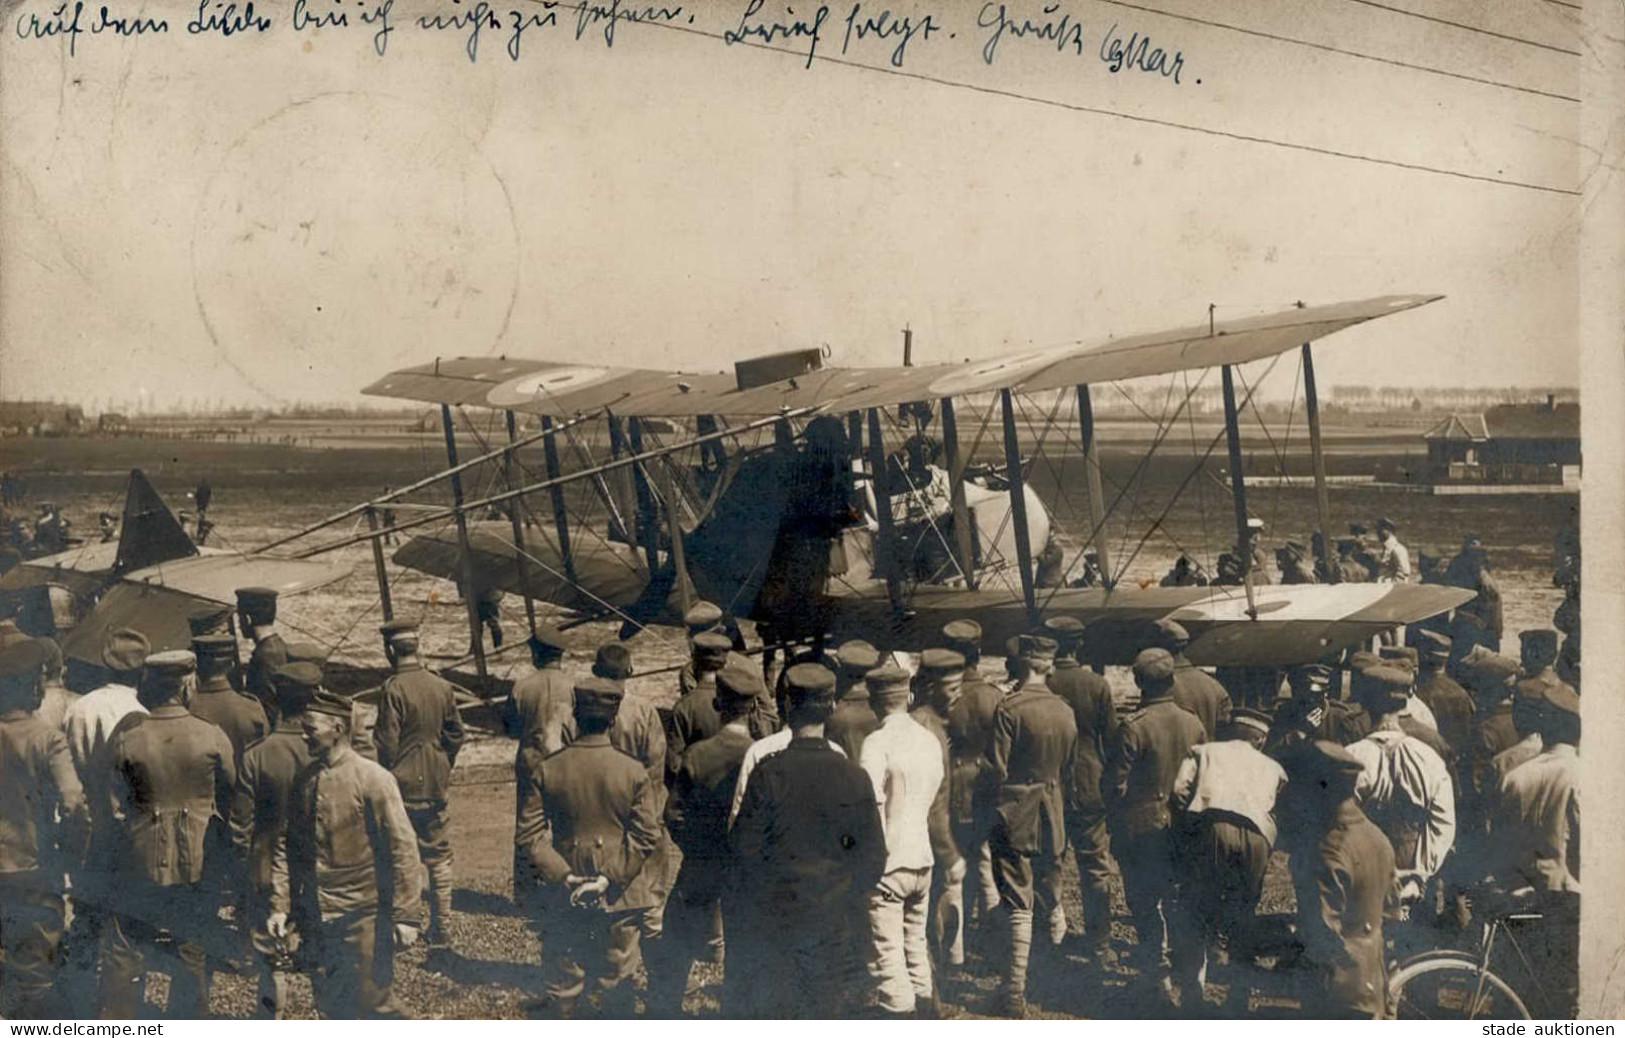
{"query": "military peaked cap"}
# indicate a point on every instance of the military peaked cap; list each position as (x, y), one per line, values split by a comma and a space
(125, 650)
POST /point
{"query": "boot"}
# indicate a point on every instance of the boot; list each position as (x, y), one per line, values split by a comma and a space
(439, 907)
(273, 995)
(1013, 1000)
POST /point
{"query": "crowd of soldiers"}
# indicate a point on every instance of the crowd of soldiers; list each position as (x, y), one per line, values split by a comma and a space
(835, 834)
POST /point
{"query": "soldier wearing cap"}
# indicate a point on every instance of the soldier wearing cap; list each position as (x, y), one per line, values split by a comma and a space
(694, 716)
(738, 674)
(971, 717)
(1342, 871)
(1414, 717)
(1033, 738)
(592, 825)
(43, 824)
(1529, 707)
(906, 763)
(172, 781)
(1151, 745)
(1312, 712)
(953, 819)
(1349, 568)
(539, 716)
(240, 716)
(697, 812)
(1536, 828)
(89, 724)
(1196, 690)
(1094, 712)
(1404, 787)
(1537, 659)
(256, 610)
(1450, 704)
(1393, 558)
(809, 848)
(266, 777)
(853, 718)
(1293, 558)
(418, 735)
(346, 877)
(1225, 792)
(700, 618)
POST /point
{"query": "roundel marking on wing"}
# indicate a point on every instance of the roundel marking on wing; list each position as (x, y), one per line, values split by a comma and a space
(544, 385)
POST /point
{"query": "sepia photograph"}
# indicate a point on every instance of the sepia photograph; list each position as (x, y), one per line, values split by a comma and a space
(757, 510)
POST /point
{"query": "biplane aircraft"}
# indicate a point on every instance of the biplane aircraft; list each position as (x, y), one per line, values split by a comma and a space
(820, 502)
(816, 501)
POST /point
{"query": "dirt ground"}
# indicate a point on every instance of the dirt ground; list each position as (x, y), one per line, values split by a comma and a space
(263, 491)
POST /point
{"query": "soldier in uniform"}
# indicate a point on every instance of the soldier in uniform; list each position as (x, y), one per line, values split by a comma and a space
(240, 716)
(1342, 870)
(172, 781)
(1094, 712)
(43, 823)
(256, 609)
(952, 814)
(853, 718)
(89, 724)
(346, 877)
(538, 711)
(1195, 690)
(808, 848)
(1293, 558)
(418, 735)
(1450, 704)
(592, 824)
(907, 764)
(1313, 713)
(1537, 657)
(1404, 787)
(1151, 744)
(259, 824)
(697, 812)
(1394, 559)
(1350, 570)
(1033, 739)
(972, 717)
(1536, 826)
(694, 716)
(700, 618)
(1226, 793)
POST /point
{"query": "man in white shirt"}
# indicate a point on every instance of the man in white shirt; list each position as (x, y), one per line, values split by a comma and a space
(904, 761)
(1404, 787)
(89, 722)
(1395, 559)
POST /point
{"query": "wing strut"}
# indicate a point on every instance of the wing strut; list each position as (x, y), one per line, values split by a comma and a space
(514, 517)
(470, 592)
(1091, 471)
(1238, 488)
(378, 567)
(886, 537)
(1018, 505)
(648, 521)
(964, 552)
(1311, 399)
(561, 517)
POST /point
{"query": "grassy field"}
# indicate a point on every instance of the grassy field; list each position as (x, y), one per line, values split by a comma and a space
(265, 490)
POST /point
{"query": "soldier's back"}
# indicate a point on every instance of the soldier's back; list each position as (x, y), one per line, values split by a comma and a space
(1201, 695)
(852, 722)
(1045, 732)
(540, 709)
(240, 716)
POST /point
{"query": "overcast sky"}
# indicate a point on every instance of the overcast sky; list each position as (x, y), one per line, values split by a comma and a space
(284, 216)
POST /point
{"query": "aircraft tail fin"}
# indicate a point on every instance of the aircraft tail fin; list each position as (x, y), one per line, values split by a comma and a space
(150, 533)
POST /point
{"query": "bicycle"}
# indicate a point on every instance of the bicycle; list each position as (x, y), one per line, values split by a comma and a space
(1458, 984)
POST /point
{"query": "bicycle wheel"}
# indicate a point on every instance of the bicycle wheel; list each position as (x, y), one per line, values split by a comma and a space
(1439, 988)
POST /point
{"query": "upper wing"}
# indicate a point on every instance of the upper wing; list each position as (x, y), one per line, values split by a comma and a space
(565, 389)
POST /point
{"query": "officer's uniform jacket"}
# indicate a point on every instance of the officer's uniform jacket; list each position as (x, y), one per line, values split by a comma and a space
(418, 733)
(240, 716)
(173, 777)
(852, 722)
(1538, 819)
(702, 795)
(1033, 737)
(1094, 712)
(1140, 774)
(591, 812)
(269, 653)
(261, 803)
(694, 718)
(540, 709)
(350, 848)
(39, 786)
(1342, 881)
(1201, 694)
(1452, 708)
